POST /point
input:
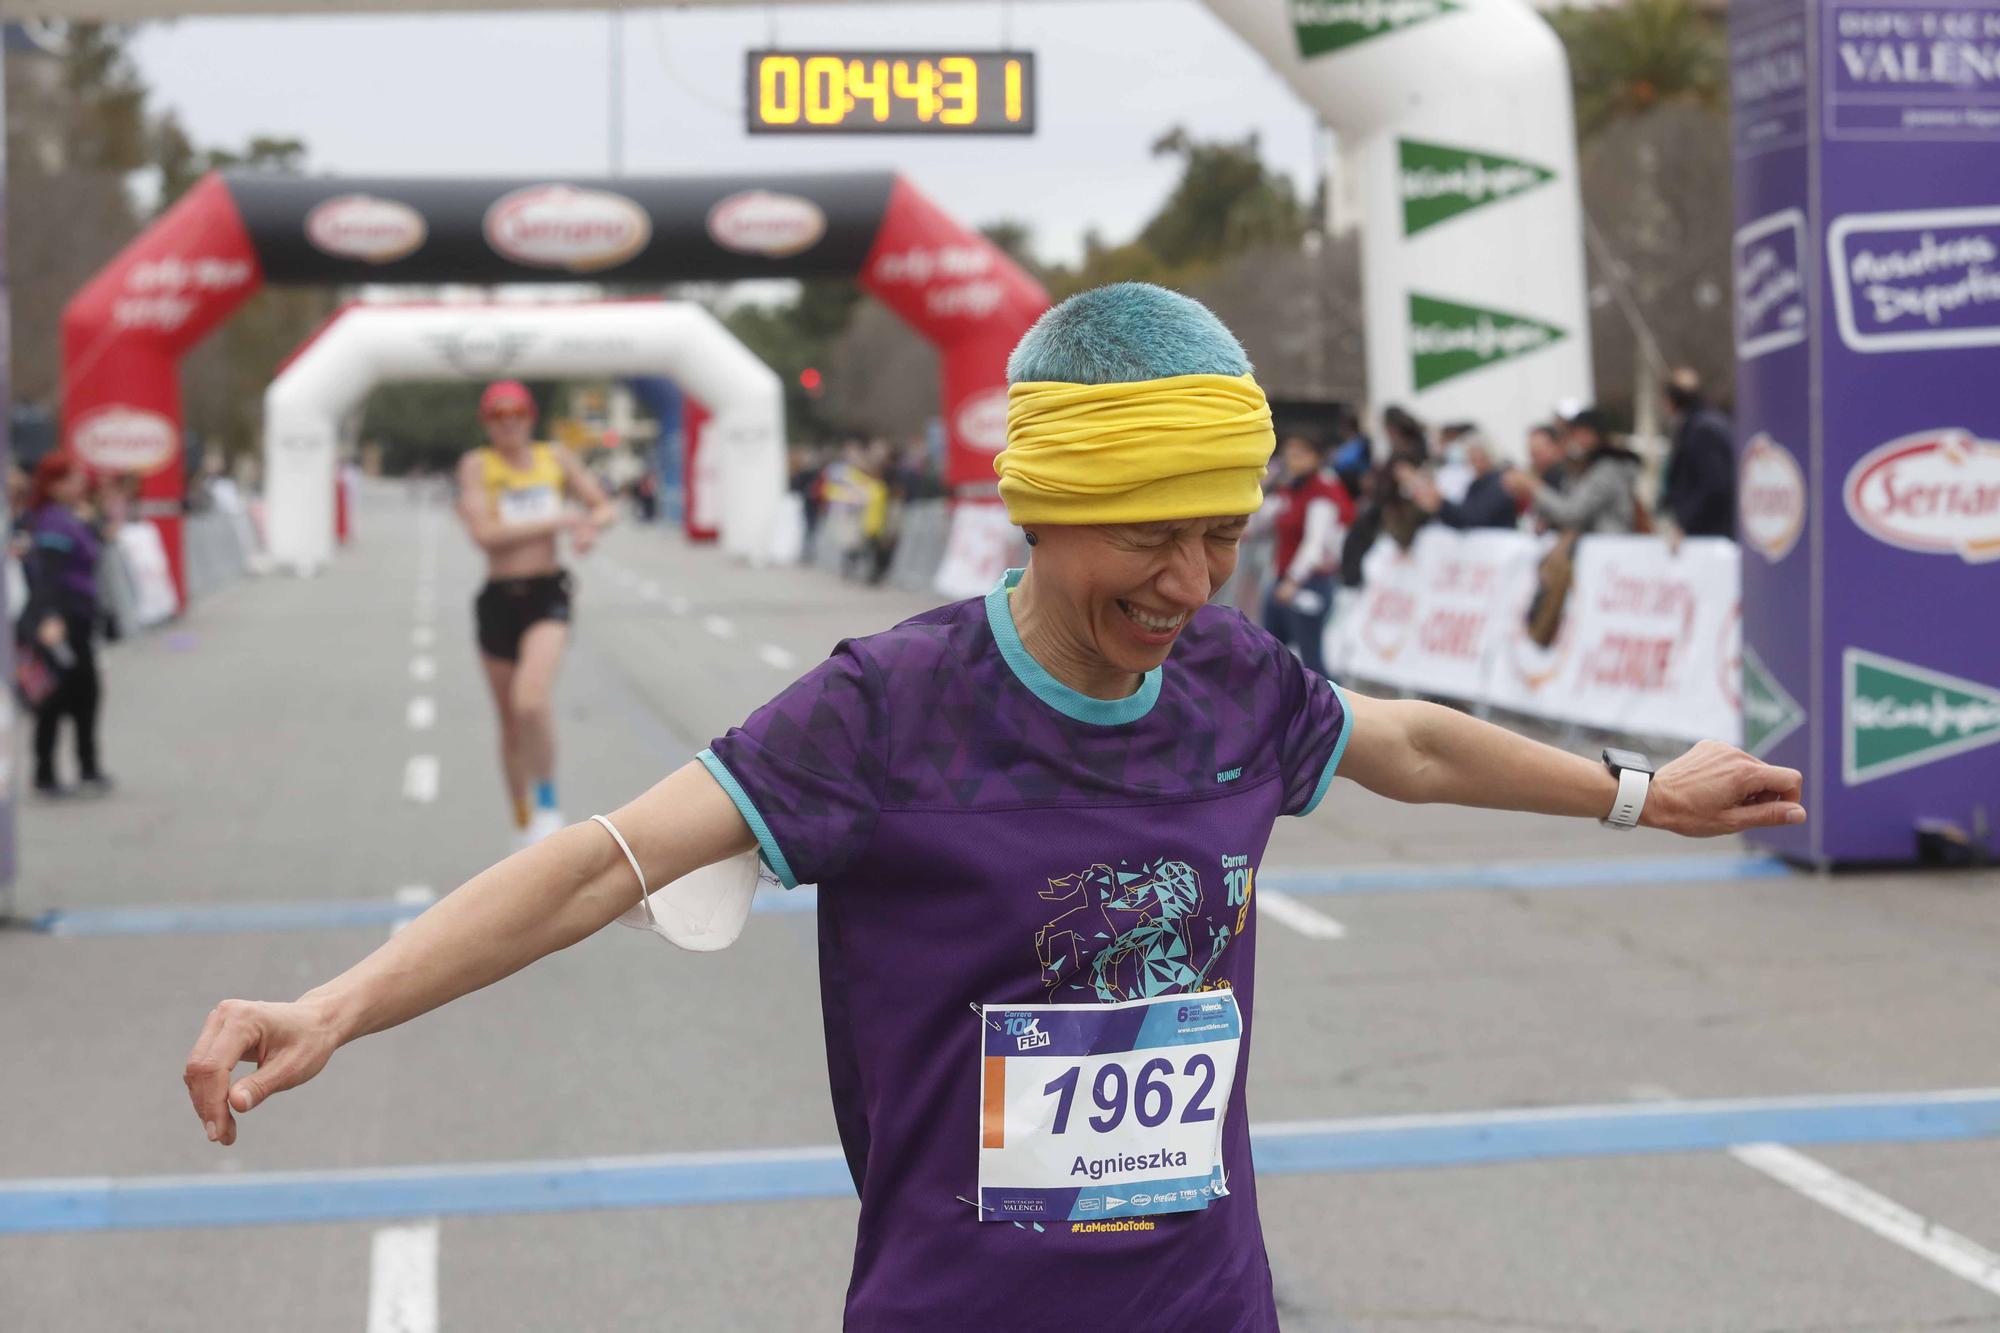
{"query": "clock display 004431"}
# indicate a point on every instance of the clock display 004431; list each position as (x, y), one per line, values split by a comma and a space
(891, 92)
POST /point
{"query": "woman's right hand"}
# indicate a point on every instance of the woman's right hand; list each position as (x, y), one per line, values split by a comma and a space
(51, 632)
(288, 1043)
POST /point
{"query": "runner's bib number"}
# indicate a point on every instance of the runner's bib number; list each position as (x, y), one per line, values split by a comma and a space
(529, 504)
(1103, 1111)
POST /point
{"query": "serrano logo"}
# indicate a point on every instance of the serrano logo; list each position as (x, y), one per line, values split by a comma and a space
(763, 222)
(1770, 498)
(1936, 492)
(119, 438)
(981, 420)
(361, 226)
(560, 226)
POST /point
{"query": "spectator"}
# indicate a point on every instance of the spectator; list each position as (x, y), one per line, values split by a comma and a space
(1355, 456)
(1454, 472)
(1486, 504)
(1545, 456)
(1408, 443)
(59, 624)
(1700, 492)
(1602, 494)
(1311, 508)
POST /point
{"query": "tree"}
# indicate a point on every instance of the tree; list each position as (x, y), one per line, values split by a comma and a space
(1225, 203)
(223, 380)
(1651, 86)
(1625, 59)
(75, 128)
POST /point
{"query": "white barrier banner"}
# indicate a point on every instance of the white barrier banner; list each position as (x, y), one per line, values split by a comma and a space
(977, 551)
(1650, 643)
(1658, 638)
(152, 578)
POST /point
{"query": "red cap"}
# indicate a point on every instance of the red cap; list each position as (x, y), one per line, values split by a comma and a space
(505, 394)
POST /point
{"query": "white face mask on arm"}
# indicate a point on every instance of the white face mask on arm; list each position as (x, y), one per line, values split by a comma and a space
(702, 911)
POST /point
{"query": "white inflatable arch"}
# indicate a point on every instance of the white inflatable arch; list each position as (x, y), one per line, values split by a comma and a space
(366, 345)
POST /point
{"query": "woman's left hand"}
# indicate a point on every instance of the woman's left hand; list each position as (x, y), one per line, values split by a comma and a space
(51, 632)
(1285, 591)
(1715, 789)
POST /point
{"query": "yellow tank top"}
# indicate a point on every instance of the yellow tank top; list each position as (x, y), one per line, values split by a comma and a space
(532, 494)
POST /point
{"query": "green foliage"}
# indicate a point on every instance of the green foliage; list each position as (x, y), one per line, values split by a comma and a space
(421, 424)
(1625, 59)
(108, 126)
(1225, 203)
(790, 338)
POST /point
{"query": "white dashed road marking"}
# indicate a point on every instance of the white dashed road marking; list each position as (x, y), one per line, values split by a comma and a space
(402, 1279)
(1289, 911)
(420, 777)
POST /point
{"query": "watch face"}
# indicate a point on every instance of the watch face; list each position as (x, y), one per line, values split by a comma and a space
(1623, 759)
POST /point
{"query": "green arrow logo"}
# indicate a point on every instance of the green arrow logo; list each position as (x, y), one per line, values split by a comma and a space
(1900, 716)
(1769, 713)
(1448, 339)
(1441, 182)
(1326, 26)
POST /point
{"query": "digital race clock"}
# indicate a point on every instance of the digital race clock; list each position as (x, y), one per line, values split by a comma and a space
(891, 92)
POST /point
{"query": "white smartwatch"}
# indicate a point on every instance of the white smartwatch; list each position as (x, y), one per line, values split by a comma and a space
(1635, 774)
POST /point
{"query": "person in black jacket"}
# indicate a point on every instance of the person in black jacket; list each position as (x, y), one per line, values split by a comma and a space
(1486, 503)
(60, 622)
(1700, 492)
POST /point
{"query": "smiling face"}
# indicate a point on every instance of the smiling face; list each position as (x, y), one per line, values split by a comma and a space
(1123, 592)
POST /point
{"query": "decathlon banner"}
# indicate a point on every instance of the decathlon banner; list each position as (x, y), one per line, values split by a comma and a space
(1650, 641)
(1867, 142)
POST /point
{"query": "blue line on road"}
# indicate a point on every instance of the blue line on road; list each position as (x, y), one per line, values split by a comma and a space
(224, 918)
(1620, 872)
(675, 1179)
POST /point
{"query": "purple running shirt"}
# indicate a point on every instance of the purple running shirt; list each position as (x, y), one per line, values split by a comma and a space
(957, 806)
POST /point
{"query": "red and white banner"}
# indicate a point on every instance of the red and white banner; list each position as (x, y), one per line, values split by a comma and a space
(1651, 640)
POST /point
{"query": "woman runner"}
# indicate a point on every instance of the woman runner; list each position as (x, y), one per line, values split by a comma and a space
(1035, 819)
(513, 499)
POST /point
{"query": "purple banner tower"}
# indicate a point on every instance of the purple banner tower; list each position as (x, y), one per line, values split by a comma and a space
(1867, 141)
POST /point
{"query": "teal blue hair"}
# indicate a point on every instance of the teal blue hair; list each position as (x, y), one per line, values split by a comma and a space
(1124, 332)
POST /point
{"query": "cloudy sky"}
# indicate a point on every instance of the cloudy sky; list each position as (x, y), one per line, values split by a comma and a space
(527, 94)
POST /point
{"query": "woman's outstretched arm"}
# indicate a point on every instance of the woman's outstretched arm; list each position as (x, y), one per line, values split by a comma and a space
(544, 898)
(1420, 752)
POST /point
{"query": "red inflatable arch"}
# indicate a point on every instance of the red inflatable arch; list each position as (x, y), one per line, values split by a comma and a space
(124, 334)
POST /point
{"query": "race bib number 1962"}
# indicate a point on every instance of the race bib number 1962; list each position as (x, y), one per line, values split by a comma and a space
(1105, 1110)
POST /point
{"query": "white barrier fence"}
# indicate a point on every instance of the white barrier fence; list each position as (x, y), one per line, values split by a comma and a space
(1651, 640)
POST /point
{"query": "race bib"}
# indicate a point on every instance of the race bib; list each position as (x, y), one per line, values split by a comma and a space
(530, 504)
(1105, 1110)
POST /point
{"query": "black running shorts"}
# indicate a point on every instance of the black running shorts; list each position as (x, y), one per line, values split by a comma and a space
(505, 608)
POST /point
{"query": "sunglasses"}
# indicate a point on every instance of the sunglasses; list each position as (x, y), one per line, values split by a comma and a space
(508, 414)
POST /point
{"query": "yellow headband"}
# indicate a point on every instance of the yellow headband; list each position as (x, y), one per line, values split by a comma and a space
(1189, 446)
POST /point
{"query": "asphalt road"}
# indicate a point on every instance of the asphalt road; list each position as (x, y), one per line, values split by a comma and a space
(269, 755)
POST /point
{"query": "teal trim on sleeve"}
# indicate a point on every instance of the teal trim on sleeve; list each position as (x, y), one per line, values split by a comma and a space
(1332, 760)
(1070, 703)
(768, 845)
